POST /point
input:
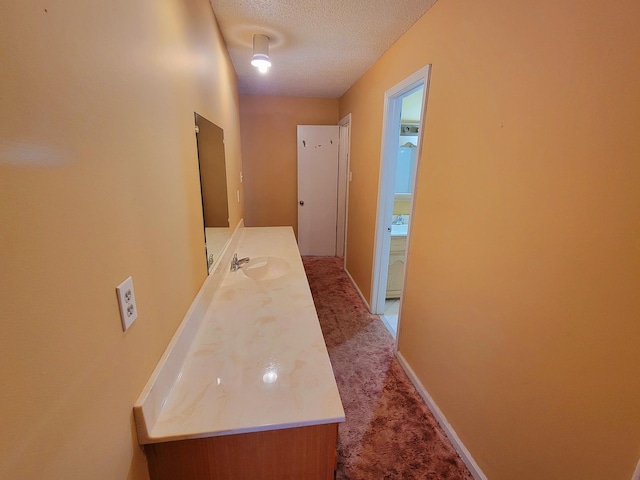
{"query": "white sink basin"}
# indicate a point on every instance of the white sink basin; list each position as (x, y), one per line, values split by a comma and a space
(266, 268)
(399, 230)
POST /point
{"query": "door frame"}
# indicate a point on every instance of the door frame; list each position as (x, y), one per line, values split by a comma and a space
(344, 149)
(388, 158)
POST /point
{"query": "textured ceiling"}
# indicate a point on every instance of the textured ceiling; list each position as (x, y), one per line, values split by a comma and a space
(317, 48)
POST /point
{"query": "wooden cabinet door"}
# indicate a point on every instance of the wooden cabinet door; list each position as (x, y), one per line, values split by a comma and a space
(395, 277)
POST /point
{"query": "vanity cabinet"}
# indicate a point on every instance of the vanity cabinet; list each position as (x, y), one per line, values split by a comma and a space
(395, 276)
(245, 389)
(307, 453)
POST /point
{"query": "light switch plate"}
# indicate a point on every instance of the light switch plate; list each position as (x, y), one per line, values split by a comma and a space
(127, 303)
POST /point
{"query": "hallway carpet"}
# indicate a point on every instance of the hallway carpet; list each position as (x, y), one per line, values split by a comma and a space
(389, 432)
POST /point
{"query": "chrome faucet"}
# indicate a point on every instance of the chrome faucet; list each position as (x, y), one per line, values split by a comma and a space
(235, 263)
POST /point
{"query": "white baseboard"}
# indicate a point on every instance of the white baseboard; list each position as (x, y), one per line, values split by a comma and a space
(636, 474)
(448, 429)
(355, 285)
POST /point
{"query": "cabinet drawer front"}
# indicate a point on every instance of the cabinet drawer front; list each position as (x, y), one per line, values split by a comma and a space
(307, 453)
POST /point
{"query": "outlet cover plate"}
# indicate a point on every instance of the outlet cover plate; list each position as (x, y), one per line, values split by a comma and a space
(127, 303)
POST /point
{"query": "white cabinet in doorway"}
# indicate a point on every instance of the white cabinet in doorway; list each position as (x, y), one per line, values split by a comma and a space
(397, 255)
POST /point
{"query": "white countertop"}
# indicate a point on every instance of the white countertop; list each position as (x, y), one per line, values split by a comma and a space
(258, 360)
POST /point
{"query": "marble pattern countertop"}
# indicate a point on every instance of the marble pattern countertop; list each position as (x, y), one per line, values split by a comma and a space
(258, 360)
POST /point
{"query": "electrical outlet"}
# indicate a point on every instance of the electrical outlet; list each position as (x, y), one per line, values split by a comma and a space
(127, 303)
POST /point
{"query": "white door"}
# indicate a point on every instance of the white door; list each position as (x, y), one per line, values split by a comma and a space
(317, 189)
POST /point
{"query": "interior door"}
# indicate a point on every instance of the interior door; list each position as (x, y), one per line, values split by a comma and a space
(317, 189)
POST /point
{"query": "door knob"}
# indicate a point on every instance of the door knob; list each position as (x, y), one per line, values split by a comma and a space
(301, 202)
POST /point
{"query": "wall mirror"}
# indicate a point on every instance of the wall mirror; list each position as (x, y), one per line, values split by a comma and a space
(213, 185)
(407, 154)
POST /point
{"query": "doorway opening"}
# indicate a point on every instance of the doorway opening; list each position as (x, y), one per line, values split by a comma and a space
(403, 121)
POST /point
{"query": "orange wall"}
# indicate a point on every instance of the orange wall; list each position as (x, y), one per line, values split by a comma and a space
(521, 307)
(99, 181)
(269, 147)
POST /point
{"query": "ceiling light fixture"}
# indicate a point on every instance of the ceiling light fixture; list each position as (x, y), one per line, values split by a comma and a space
(261, 53)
